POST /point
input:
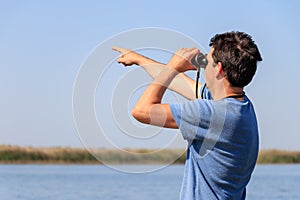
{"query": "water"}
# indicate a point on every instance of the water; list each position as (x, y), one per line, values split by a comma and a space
(275, 182)
(78, 182)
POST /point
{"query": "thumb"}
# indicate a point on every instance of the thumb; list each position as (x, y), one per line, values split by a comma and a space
(123, 61)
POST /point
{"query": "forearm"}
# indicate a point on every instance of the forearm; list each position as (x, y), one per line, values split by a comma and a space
(149, 109)
(181, 84)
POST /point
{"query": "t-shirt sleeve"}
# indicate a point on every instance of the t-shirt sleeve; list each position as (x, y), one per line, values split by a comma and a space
(192, 118)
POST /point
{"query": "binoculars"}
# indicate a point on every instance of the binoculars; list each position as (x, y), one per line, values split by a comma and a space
(199, 61)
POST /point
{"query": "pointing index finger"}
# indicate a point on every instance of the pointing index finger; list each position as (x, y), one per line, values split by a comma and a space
(116, 48)
(119, 49)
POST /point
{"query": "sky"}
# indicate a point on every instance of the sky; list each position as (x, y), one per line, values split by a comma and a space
(44, 45)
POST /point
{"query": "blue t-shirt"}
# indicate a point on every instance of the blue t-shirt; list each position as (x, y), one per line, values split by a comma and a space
(222, 146)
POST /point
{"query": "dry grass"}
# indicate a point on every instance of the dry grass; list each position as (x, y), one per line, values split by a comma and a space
(278, 156)
(16, 154)
(59, 155)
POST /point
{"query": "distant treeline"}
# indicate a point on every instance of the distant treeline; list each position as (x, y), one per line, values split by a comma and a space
(23, 155)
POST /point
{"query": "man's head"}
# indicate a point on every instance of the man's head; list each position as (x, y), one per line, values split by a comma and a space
(238, 55)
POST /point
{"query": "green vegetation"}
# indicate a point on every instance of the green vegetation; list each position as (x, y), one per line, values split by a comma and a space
(23, 155)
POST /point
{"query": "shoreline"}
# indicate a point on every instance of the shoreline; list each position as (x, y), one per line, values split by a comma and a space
(79, 156)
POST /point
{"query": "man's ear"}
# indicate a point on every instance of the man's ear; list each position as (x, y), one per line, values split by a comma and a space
(219, 69)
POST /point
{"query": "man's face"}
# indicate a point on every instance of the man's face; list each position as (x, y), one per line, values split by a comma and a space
(210, 71)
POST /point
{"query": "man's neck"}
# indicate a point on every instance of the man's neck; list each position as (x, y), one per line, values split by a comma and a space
(225, 90)
(235, 92)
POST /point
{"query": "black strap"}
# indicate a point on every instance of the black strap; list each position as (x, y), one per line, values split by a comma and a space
(202, 92)
(197, 79)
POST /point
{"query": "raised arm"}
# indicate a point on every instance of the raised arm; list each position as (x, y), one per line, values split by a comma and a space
(181, 84)
(149, 109)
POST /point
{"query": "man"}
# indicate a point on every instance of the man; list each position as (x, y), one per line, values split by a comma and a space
(221, 127)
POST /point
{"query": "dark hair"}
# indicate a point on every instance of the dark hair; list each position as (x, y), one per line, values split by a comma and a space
(238, 54)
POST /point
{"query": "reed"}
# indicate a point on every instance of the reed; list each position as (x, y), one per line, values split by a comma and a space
(57, 155)
(15, 154)
(278, 157)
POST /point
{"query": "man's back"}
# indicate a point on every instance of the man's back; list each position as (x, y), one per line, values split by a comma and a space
(223, 149)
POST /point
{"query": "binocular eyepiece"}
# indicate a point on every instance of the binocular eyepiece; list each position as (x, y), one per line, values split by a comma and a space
(199, 61)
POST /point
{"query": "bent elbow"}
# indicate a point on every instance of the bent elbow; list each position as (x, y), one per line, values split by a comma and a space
(140, 115)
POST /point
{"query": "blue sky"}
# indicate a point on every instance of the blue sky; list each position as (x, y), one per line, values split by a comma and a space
(44, 43)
